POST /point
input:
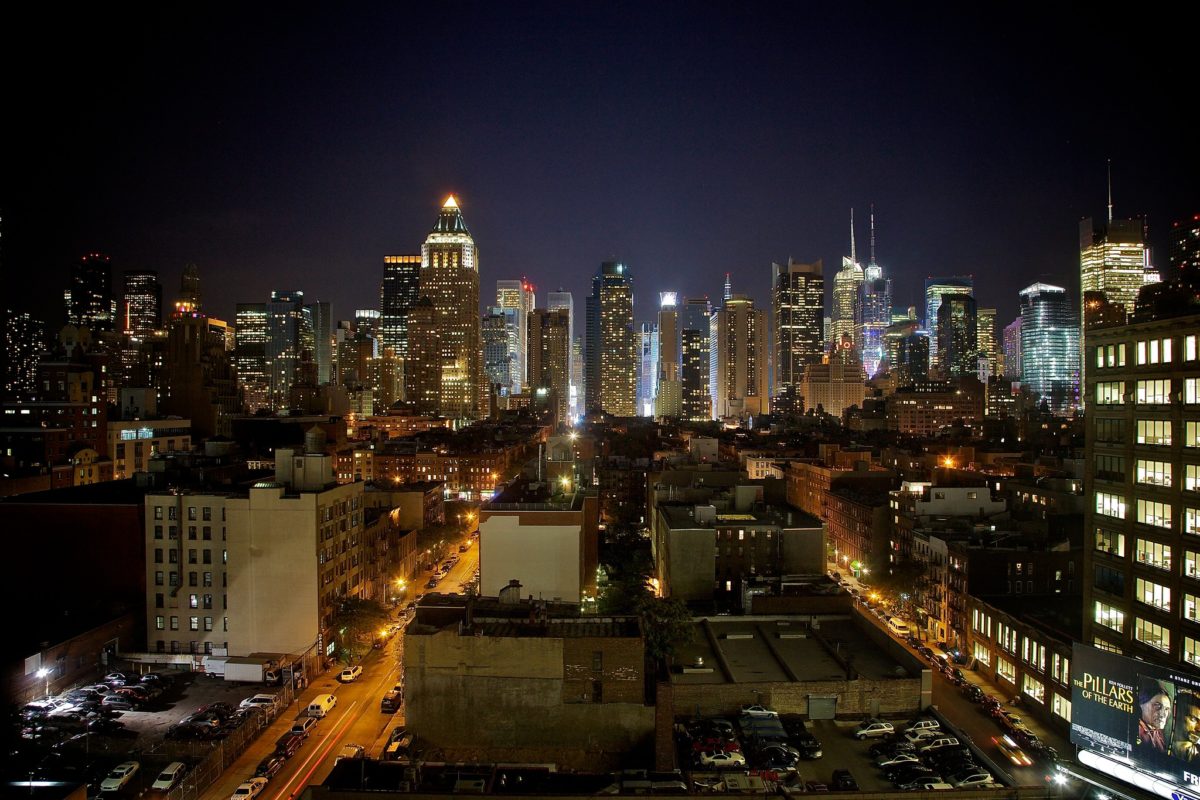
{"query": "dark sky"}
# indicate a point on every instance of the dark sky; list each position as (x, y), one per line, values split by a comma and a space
(288, 147)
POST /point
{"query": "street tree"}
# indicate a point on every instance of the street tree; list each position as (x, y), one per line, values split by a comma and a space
(358, 623)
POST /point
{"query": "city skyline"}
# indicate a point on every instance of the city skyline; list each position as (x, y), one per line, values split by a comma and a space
(190, 162)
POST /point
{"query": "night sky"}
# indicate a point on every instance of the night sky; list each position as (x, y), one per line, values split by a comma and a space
(293, 148)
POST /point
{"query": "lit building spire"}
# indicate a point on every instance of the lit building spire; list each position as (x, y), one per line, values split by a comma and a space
(853, 254)
(1110, 190)
(450, 202)
(872, 262)
(728, 287)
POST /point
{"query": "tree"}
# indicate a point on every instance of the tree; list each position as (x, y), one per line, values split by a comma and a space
(667, 625)
(357, 624)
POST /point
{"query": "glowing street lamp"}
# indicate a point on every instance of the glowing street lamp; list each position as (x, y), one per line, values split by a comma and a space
(44, 672)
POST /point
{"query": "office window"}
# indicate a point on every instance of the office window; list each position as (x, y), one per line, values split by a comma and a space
(1189, 607)
(982, 653)
(1191, 564)
(160, 623)
(1152, 634)
(1110, 542)
(1109, 617)
(1152, 594)
(1034, 688)
(1006, 669)
(1060, 706)
(1191, 391)
(1110, 393)
(1110, 430)
(1153, 473)
(1153, 554)
(1111, 505)
(1189, 348)
(1154, 431)
(1191, 434)
(1191, 651)
(1154, 351)
(1152, 512)
(1156, 391)
(1110, 468)
(1061, 669)
(1191, 478)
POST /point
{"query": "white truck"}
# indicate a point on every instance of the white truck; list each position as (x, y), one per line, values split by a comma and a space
(251, 670)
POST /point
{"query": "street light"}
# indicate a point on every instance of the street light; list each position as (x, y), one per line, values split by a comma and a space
(44, 672)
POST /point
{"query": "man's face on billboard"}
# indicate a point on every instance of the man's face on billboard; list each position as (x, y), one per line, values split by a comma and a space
(1156, 711)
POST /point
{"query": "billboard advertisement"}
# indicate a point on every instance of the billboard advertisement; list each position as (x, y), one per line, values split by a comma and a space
(1144, 713)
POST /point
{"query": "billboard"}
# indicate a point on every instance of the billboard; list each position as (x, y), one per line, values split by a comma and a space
(1144, 713)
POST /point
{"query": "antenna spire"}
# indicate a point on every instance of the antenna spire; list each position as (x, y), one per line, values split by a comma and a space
(853, 255)
(872, 234)
(728, 287)
(1110, 190)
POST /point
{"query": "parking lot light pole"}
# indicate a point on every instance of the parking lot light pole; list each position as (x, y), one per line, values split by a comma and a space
(44, 672)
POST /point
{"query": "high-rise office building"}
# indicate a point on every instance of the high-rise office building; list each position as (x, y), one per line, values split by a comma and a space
(985, 343)
(1141, 519)
(22, 341)
(1112, 259)
(907, 352)
(1050, 347)
(322, 319)
(549, 352)
(201, 377)
(738, 343)
(1012, 350)
(694, 357)
(90, 304)
(1183, 250)
(497, 355)
(289, 336)
(798, 303)
(518, 296)
(423, 369)
(669, 400)
(873, 311)
(141, 312)
(397, 293)
(369, 323)
(935, 288)
(611, 348)
(250, 354)
(563, 301)
(647, 388)
(450, 279)
(957, 335)
(846, 285)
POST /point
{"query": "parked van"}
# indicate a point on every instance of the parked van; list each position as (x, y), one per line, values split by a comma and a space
(170, 776)
(288, 744)
(301, 725)
(938, 743)
(321, 705)
(898, 626)
(390, 703)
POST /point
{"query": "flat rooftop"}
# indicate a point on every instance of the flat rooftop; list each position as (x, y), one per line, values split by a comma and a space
(683, 515)
(780, 650)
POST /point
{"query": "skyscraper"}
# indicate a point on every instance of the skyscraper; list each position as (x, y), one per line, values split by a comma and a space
(201, 380)
(563, 301)
(1112, 259)
(935, 288)
(289, 334)
(91, 302)
(22, 340)
(397, 293)
(669, 400)
(450, 279)
(957, 335)
(611, 348)
(322, 320)
(250, 354)
(1183, 251)
(985, 343)
(549, 352)
(647, 389)
(1049, 347)
(1012, 350)
(738, 346)
(497, 357)
(846, 285)
(518, 296)
(694, 356)
(874, 310)
(142, 307)
(423, 370)
(798, 302)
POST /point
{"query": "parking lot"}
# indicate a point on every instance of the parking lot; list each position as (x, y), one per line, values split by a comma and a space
(87, 743)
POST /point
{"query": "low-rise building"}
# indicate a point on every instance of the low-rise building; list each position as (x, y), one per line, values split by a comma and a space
(133, 443)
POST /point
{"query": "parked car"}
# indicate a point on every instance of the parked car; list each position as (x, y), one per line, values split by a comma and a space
(758, 711)
(925, 724)
(350, 751)
(121, 775)
(251, 788)
(777, 756)
(719, 759)
(269, 767)
(891, 748)
(350, 674)
(302, 725)
(843, 781)
(170, 775)
(431, 583)
(971, 778)
(872, 728)
(266, 702)
(896, 759)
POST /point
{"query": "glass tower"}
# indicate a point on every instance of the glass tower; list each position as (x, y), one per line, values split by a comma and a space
(1050, 347)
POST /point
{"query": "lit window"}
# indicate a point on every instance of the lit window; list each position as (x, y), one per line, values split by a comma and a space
(1152, 512)
(1112, 505)
(1109, 617)
(1152, 634)
(1152, 594)
(1154, 431)
(1154, 473)
(1060, 706)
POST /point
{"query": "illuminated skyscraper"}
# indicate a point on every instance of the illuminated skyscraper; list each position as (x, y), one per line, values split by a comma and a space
(611, 348)
(985, 343)
(669, 400)
(450, 279)
(22, 340)
(423, 372)
(518, 296)
(798, 303)
(694, 356)
(874, 311)
(322, 321)
(397, 294)
(497, 358)
(90, 303)
(738, 347)
(1049, 347)
(250, 354)
(1112, 260)
(846, 285)
(549, 355)
(935, 288)
(647, 389)
(563, 301)
(1012, 349)
(142, 307)
(1183, 251)
(289, 336)
(957, 336)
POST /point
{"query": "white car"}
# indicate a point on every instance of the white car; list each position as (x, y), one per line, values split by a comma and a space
(721, 759)
(917, 736)
(874, 727)
(350, 674)
(350, 751)
(251, 788)
(122, 774)
(758, 711)
(263, 701)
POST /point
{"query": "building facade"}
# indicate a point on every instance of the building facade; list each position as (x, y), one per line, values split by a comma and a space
(798, 303)
(611, 351)
(1050, 347)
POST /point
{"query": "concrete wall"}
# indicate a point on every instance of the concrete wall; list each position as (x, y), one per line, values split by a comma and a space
(894, 697)
(802, 551)
(482, 693)
(689, 563)
(546, 559)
